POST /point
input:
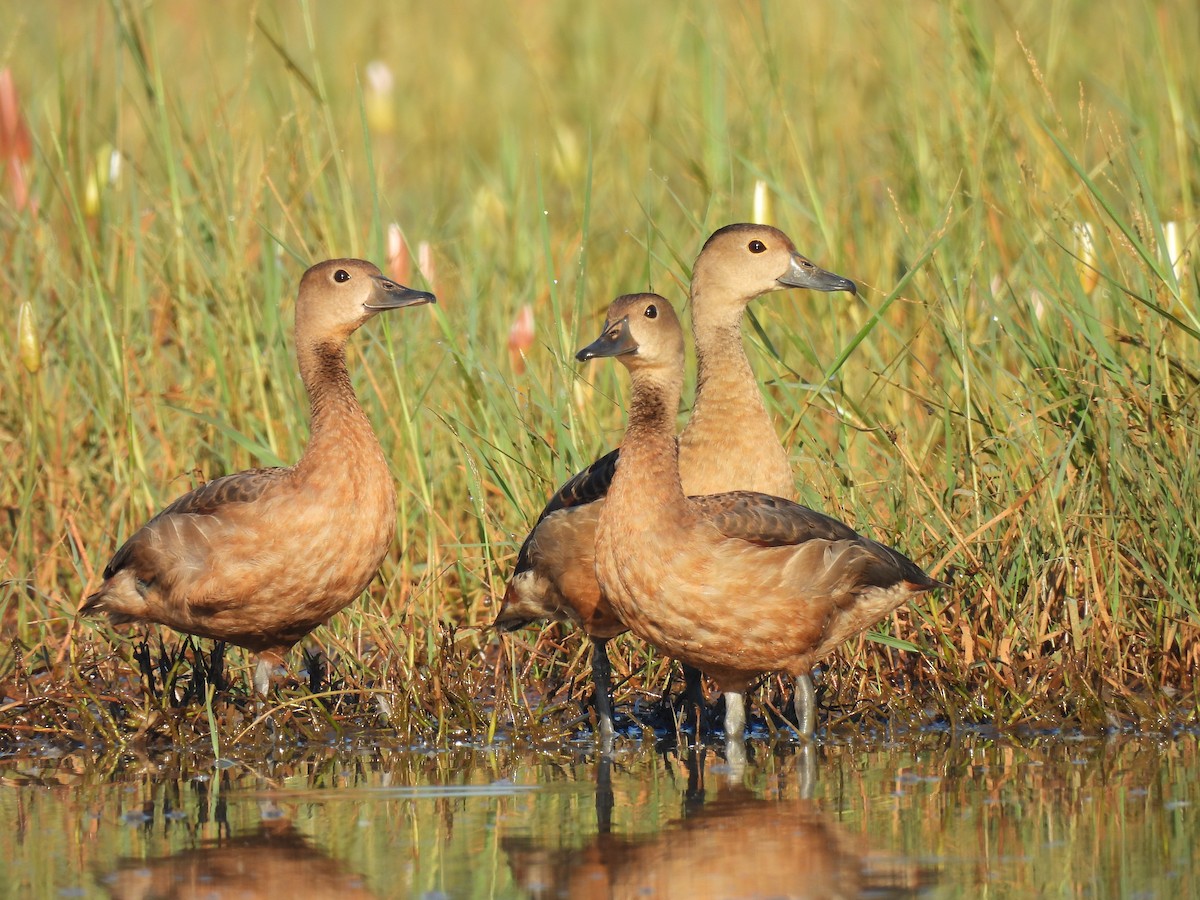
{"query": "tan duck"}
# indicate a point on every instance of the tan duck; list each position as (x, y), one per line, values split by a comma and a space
(729, 443)
(734, 584)
(262, 557)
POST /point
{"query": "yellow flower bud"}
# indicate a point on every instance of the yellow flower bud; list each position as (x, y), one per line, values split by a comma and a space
(1085, 251)
(1175, 254)
(104, 173)
(377, 98)
(29, 349)
(762, 203)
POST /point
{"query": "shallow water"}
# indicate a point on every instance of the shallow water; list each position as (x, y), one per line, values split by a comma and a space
(936, 816)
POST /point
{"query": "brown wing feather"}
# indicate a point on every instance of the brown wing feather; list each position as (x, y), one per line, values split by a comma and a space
(769, 521)
(242, 487)
(775, 522)
(586, 486)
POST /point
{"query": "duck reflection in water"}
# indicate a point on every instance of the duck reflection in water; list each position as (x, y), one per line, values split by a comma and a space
(276, 860)
(736, 845)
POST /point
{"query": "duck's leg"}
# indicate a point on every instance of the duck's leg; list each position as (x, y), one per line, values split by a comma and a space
(806, 706)
(693, 691)
(735, 733)
(268, 662)
(602, 679)
(262, 676)
(735, 715)
(146, 663)
(216, 667)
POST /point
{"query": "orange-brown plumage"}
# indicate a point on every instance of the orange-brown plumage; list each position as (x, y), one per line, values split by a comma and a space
(729, 442)
(260, 558)
(735, 584)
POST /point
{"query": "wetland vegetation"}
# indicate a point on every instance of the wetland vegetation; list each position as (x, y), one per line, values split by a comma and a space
(1011, 400)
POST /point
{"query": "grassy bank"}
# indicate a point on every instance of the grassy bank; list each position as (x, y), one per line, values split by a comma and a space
(1012, 399)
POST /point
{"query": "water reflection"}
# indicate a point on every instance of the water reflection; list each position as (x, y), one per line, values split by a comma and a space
(985, 816)
(275, 860)
(735, 845)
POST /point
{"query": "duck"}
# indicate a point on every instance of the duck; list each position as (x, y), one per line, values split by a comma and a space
(260, 558)
(735, 584)
(729, 443)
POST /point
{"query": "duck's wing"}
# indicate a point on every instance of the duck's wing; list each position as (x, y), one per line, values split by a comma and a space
(180, 529)
(535, 585)
(770, 521)
(775, 522)
(241, 487)
(586, 486)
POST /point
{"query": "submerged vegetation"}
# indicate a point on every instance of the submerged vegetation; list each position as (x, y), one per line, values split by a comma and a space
(1012, 400)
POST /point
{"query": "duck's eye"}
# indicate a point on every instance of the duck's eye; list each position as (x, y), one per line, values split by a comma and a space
(341, 275)
(651, 312)
(757, 246)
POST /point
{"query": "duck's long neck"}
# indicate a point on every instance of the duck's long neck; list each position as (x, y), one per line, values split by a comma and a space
(337, 418)
(648, 473)
(729, 419)
(725, 382)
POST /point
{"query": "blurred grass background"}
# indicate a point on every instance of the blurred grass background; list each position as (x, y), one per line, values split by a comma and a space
(1013, 398)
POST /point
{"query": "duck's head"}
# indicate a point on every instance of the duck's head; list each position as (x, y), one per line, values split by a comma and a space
(339, 295)
(640, 330)
(741, 262)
